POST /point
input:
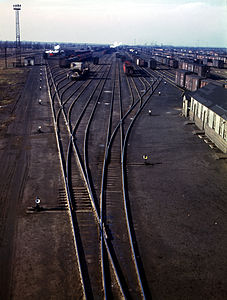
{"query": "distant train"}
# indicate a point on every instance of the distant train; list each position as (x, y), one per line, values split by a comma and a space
(50, 54)
(128, 68)
(170, 62)
(80, 55)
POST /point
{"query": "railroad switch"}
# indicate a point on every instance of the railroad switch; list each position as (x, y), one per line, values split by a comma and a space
(145, 157)
(37, 204)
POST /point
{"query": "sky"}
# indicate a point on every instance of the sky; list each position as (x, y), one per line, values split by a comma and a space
(169, 22)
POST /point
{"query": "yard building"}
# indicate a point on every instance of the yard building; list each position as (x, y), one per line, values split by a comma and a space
(207, 107)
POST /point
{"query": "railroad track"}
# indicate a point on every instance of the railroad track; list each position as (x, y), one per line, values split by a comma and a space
(94, 173)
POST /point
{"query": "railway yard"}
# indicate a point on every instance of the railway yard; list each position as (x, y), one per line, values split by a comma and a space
(133, 204)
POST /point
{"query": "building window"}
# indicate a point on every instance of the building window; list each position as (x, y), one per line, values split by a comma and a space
(197, 110)
(220, 127)
(201, 112)
(192, 105)
(225, 132)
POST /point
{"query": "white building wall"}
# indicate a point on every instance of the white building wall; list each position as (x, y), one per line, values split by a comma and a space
(215, 126)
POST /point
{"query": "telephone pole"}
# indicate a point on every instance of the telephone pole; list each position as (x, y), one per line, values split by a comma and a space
(17, 8)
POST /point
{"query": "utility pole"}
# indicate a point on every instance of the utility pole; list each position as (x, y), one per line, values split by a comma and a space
(6, 55)
(17, 8)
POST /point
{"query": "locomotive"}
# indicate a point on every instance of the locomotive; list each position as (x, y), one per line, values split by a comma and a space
(128, 68)
(78, 70)
(76, 56)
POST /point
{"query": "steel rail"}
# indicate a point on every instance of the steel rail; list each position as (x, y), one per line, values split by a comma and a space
(102, 230)
(106, 159)
(100, 224)
(109, 141)
(83, 175)
(68, 195)
(123, 166)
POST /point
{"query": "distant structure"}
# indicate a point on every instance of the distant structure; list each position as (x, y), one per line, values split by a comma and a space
(17, 8)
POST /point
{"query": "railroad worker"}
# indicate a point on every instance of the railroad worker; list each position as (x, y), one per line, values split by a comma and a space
(145, 157)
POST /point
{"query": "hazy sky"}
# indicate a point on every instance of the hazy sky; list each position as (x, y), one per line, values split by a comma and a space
(173, 22)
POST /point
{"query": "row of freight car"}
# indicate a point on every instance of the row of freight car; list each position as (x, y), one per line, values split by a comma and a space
(66, 62)
(128, 66)
(216, 63)
(151, 63)
(171, 62)
(177, 63)
(201, 70)
(189, 81)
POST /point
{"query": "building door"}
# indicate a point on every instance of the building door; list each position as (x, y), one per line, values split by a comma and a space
(204, 120)
(194, 111)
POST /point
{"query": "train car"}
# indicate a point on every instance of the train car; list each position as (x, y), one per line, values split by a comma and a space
(140, 62)
(217, 63)
(78, 70)
(173, 63)
(96, 60)
(152, 64)
(204, 82)
(123, 58)
(128, 68)
(192, 82)
(180, 77)
(202, 70)
(191, 67)
(80, 55)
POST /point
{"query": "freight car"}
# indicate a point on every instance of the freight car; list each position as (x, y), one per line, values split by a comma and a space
(141, 62)
(78, 56)
(180, 77)
(217, 63)
(173, 63)
(199, 69)
(96, 60)
(170, 62)
(192, 82)
(152, 64)
(128, 68)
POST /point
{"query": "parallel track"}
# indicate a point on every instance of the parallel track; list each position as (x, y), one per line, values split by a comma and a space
(104, 223)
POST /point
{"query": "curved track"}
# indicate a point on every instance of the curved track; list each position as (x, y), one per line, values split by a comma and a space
(92, 121)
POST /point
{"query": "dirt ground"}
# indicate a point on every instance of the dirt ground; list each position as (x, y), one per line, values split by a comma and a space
(37, 253)
(178, 203)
